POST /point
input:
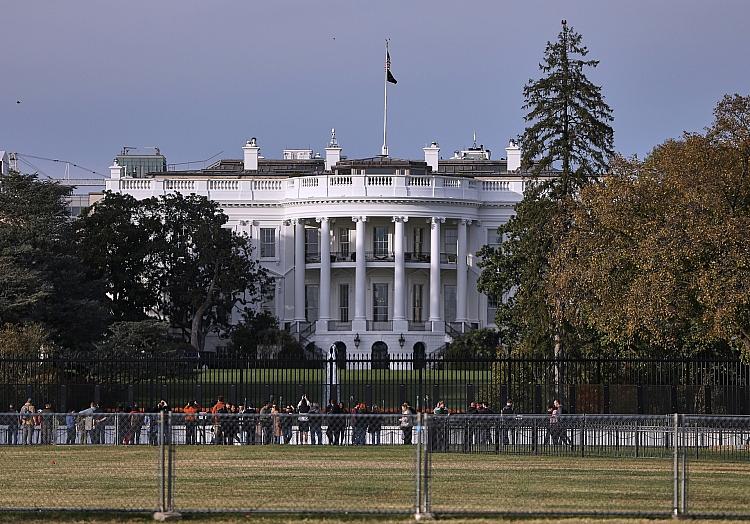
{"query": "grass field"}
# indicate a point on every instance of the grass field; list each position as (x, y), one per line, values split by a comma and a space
(377, 479)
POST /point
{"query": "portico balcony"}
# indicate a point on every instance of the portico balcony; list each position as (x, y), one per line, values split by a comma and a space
(229, 189)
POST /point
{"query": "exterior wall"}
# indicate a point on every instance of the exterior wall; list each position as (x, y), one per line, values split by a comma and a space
(253, 203)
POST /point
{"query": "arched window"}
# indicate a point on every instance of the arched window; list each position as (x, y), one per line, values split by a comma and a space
(380, 359)
(420, 355)
(340, 355)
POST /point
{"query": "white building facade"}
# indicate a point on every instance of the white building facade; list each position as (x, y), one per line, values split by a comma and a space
(374, 255)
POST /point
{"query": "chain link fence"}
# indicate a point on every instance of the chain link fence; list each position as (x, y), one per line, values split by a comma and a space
(273, 461)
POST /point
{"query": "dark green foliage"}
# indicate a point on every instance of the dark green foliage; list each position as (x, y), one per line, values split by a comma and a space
(171, 257)
(118, 240)
(474, 345)
(568, 117)
(568, 129)
(42, 279)
(258, 333)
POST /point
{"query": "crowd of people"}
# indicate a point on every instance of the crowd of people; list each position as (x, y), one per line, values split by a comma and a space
(303, 423)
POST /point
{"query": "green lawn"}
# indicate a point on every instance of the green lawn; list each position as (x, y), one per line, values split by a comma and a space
(377, 479)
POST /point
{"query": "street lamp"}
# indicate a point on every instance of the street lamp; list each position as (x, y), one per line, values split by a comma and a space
(401, 340)
(356, 340)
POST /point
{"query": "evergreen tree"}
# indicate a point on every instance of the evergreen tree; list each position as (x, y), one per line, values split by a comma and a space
(42, 280)
(568, 143)
(568, 117)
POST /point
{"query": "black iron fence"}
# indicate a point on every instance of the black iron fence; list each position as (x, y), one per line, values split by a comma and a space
(625, 386)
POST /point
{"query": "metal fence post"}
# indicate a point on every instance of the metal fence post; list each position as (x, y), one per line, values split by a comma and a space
(170, 466)
(683, 484)
(162, 466)
(675, 469)
(418, 478)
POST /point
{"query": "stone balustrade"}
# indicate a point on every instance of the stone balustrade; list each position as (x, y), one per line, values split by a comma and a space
(329, 186)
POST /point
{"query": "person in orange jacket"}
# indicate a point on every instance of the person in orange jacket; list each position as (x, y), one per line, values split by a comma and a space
(190, 410)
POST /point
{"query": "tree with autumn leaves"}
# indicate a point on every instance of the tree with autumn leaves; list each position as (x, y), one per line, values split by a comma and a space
(657, 259)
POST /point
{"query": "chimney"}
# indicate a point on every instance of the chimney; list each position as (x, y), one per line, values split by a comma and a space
(115, 171)
(333, 152)
(513, 154)
(432, 156)
(251, 150)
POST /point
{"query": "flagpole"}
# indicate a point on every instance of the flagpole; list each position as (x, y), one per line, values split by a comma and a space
(384, 150)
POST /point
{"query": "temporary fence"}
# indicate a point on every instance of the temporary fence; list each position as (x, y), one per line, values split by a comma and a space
(633, 386)
(405, 463)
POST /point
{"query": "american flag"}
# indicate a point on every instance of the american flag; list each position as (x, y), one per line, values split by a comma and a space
(388, 74)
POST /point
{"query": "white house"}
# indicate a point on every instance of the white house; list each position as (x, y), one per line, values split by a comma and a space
(376, 255)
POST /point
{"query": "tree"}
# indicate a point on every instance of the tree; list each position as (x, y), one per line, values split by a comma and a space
(477, 344)
(42, 280)
(259, 330)
(569, 140)
(569, 119)
(187, 269)
(657, 255)
(118, 240)
(145, 338)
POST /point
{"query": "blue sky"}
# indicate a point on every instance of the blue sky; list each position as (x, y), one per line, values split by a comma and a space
(196, 78)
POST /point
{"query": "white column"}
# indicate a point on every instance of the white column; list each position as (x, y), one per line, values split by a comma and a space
(325, 270)
(435, 291)
(399, 272)
(461, 273)
(299, 269)
(360, 275)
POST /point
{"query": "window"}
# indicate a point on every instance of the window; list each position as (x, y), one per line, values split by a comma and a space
(417, 307)
(344, 302)
(344, 242)
(380, 239)
(267, 242)
(493, 238)
(451, 241)
(312, 247)
(312, 294)
(449, 303)
(418, 240)
(380, 302)
(491, 309)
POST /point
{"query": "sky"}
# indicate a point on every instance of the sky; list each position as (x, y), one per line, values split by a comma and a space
(196, 78)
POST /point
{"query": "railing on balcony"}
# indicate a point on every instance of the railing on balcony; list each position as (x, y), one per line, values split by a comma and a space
(312, 258)
(416, 257)
(330, 185)
(418, 325)
(448, 258)
(379, 256)
(340, 256)
(339, 325)
(380, 325)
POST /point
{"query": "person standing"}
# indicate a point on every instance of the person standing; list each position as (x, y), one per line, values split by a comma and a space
(266, 424)
(303, 420)
(190, 411)
(249, 424)
(219, 412)
(406, 423)
(562, 431)
(316, 424)
(47, 423)
(440, 423)
(508, 419)
(70, 427)
(27, 423)
(11, 432)
(374, 425)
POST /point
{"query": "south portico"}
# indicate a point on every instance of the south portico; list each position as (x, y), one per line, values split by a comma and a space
(390, 275)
